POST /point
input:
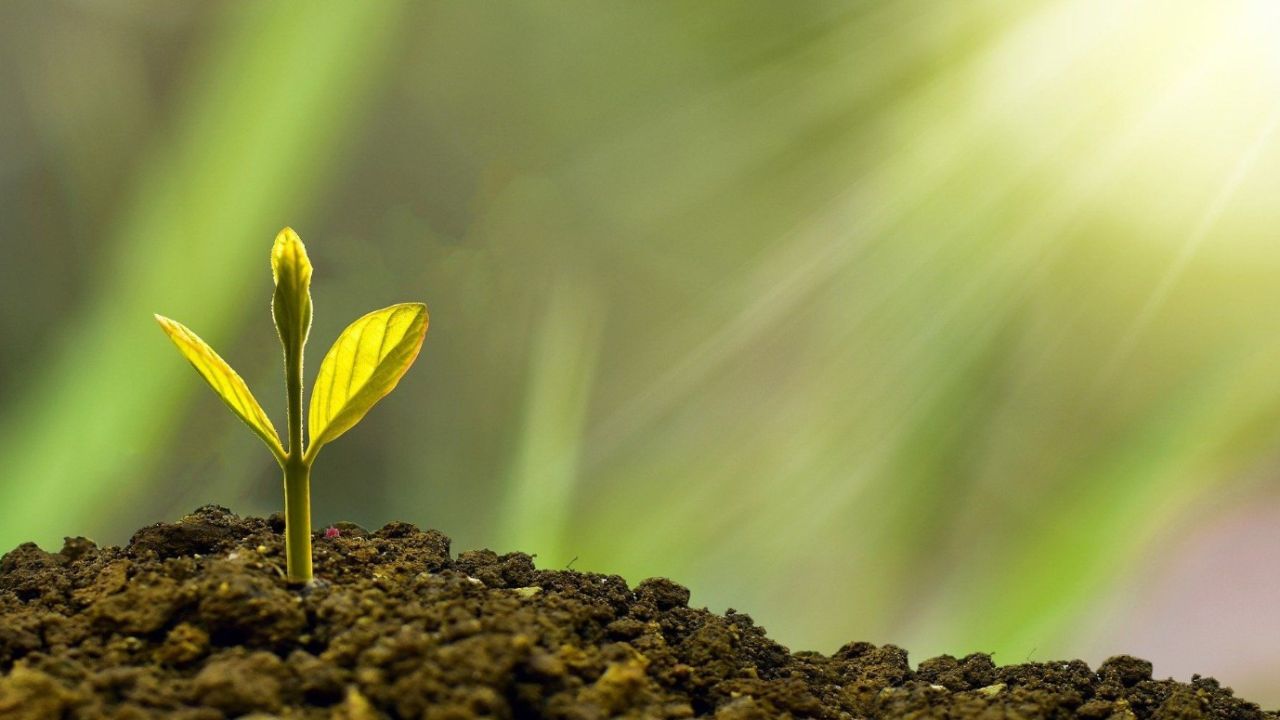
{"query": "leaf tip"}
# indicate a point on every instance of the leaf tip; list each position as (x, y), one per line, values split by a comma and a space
(287, 236)
(288, 252)
(420, 320)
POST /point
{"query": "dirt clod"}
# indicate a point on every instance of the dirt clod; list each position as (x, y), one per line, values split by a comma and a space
(194, 620)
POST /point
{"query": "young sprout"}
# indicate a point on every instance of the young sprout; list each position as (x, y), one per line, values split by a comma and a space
(364, 364)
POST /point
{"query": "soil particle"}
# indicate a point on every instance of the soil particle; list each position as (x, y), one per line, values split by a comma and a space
(1125, 671)
(971, 673)
(194, 620)
(238, 682)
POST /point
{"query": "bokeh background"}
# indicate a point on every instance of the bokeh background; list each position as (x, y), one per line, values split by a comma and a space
(951, 325)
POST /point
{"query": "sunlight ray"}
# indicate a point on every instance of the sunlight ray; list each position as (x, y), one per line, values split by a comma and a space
(1199, 234)
(1024, 256)
(823, 245)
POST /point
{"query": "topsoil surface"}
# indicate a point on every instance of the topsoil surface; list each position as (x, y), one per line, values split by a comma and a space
(195, 620)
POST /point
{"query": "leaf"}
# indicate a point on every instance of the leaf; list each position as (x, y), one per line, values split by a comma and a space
(291, 304)
(364, 364)
(229, 386)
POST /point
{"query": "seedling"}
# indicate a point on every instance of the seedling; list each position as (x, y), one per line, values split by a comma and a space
(364, 364)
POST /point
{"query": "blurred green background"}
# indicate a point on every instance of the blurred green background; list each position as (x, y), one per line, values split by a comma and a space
(952, 325)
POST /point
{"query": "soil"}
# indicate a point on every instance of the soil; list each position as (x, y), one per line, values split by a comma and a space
(194, 620)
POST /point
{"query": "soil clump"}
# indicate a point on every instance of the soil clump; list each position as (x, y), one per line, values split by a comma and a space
(194, 620)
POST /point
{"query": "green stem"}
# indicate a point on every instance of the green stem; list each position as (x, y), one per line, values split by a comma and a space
(297, 519)
(297, 478)
(293, 385)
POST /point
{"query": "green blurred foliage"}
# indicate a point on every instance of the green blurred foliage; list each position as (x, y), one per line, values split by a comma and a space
(913, 322)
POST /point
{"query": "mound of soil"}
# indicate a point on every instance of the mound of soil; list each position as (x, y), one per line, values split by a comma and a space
(195, 620)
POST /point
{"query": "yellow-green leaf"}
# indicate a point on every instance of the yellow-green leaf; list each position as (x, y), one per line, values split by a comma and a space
(364, 364)
(291, 304)
(229, 386)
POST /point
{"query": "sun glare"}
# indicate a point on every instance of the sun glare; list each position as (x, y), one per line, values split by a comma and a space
(1183, 96)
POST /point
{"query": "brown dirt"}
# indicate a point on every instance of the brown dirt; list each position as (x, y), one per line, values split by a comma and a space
(194, 620)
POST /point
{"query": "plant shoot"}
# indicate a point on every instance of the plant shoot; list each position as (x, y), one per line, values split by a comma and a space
(363, 366)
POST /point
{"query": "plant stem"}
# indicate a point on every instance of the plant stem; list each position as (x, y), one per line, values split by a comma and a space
(297, 478)
(297, 518)
(293, 385)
